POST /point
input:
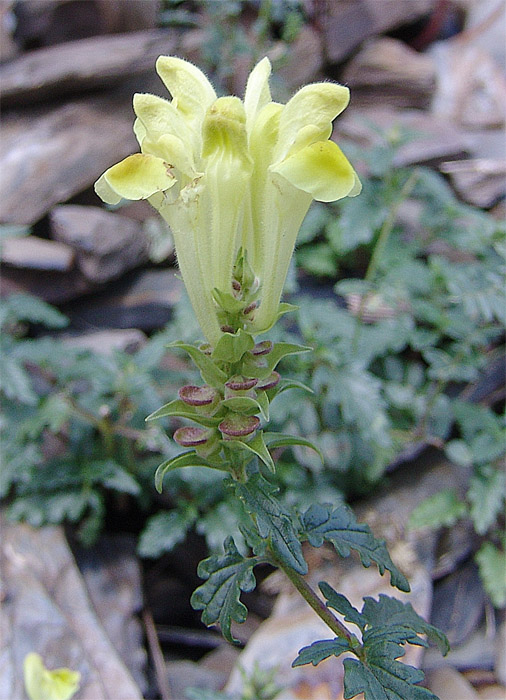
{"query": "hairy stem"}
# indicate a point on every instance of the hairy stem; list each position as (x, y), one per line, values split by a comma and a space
(315, 602)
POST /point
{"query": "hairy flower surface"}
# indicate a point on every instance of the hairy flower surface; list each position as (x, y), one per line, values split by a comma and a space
(230, 175)
(42, 684)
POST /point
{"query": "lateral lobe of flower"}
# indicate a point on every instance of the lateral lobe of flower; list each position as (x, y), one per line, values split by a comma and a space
(136, 177)
(231, 176)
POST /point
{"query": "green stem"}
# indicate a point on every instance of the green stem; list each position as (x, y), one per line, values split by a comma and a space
(316, 603)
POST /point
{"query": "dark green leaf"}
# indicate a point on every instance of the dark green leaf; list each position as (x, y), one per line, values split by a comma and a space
(392, 612)
(340, 603)
(164, 531)
(318, 651)
(24, 307)
(486, 496)
(318, 259)
(443, 509)
(340, 527)
(273, 522)
(492, 564)
(383, 679)
(226, 576)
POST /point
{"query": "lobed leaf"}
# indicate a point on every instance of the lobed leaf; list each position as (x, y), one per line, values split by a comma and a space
(219, 597)
(273, 522)
(339, 526)
(318, 651)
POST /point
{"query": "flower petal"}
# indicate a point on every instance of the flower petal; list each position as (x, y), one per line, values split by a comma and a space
(316, 104)
(257, 93)
(136, 177)
(174, 152)
(322, 170)
(159, 117)
(191, 91)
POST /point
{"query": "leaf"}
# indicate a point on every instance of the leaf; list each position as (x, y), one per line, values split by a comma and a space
(340, 527)
(387, 625)
(226, 576)
(263, 369)
(231, 347)
(486, 496)
(383, 679)
(115, 477)
(186, 459)
(273, 522)
(257, 447)
(164, 531)
(24, 307)
(318, 259)
(211, 374)
(183, 410)
(274, 440)
(492, 565)
(318, 651)
(286, 384)
(340, 603)
(15, 382)
(459, 453)
(392, 613)
(443, 509)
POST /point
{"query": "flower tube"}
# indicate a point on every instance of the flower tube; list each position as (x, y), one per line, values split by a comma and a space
(233, 177)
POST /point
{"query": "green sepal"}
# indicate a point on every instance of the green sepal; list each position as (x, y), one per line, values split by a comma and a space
(228, 302)
(273, 522)
(274, 440)
(211, 374)
(263, 402)
(232, 346)
(257, 446)
(283, 308)
(186, 459)
(323, 523)
(183, 410)
(263, 366)
(242, 404)
(321, 650)
(286, 384)
(225, 577)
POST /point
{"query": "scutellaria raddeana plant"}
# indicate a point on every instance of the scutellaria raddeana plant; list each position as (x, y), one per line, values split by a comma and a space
(234, 179)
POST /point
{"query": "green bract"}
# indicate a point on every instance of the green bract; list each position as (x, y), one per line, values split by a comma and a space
(231, 175)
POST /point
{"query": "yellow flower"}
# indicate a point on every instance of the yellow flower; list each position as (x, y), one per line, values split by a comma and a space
(228, 174)
(42, 684)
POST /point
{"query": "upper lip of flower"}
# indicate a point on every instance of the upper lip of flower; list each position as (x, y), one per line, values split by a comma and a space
(245, 171)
